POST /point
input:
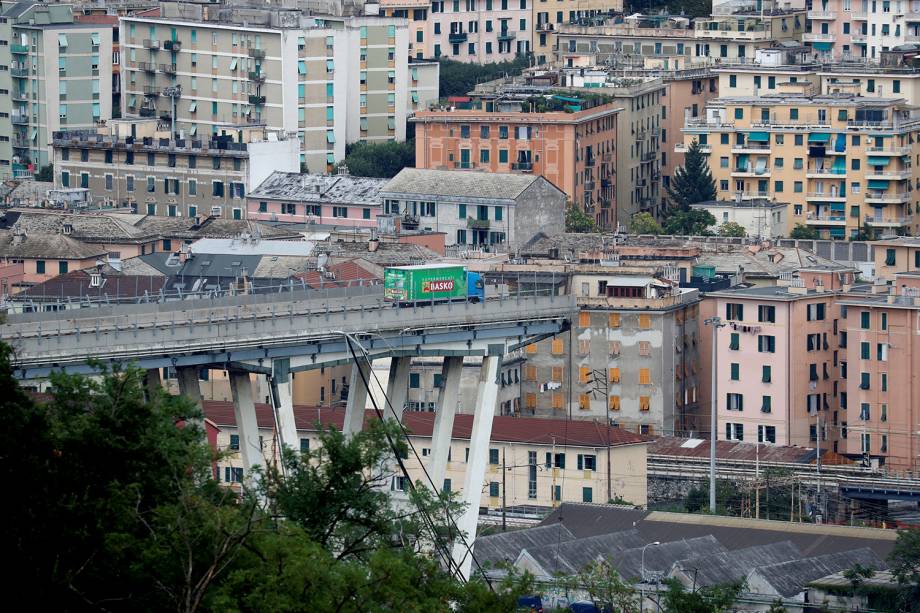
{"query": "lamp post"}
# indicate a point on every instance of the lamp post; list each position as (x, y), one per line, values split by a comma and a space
(716, 323)
(642, 567)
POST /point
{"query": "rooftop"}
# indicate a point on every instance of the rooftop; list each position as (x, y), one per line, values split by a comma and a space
(754, 203)
(729, 566)
(78, 285)
(769, 292)
(468, 185)
(319, 188)
(739, 451)
(790, 578)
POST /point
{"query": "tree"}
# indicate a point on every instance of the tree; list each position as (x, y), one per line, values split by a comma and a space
(904, 562)
(692, 182)
(732, 228)
(802, 231)
(858, 573)
(577, 220)
(644, 223)
(710, 599)
(382, 160)
(604, 586)
(695, 222)
(45, 174)
(460, 78)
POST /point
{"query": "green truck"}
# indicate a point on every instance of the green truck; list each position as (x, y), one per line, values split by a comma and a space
(432, 283)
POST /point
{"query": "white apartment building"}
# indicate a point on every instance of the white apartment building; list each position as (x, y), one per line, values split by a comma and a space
(329, 80)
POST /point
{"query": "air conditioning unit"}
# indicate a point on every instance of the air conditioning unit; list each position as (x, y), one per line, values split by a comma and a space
(216, 210)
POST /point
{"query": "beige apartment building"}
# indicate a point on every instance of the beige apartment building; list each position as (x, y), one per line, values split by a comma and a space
(842, 162)
(896, 256)
(330, 80)
(135, 163)
(532, 462)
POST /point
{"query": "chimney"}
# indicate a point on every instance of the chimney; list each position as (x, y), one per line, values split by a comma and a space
(373, 244)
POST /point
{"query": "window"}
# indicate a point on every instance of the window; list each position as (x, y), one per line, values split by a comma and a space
(815, 312)
(734, 311)
(587, 494)
(734, 432)
(493, 489)
(883, 320)
(766, 434)
(766, 344)
(864, 351)
(864, 320)
(864, 381)
(865, 412)
(235, 442)
(645, 403)
(735, 341)
(766, 405)
(734, 402)
(645, 377)
(767, 374)
(587, 462)
(766, 313)
(415, 383)
(645, 321)
(890, 257)
(304, 445)
(735, 371)
(493, 457)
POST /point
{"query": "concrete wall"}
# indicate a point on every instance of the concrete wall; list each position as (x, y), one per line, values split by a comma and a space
(540, 208)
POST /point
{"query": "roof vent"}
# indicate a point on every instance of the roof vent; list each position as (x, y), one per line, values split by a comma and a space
(68, 228)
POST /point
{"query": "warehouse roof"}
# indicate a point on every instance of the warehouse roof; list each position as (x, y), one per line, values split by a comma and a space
(506, 546)
(729, 566)
(790, 578)
(459, 184)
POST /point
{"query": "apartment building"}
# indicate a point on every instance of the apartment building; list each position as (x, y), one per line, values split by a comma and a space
(330, 80)
(842, 162)
(574, 150)
(880, 359)
(760, 218)
(336, 200)
(61, 73)
(480, 31)
(6, 101)
(631, 356)
(896, 256)
(475, 209)
(686, 93)
(137, 163)
(534, 462)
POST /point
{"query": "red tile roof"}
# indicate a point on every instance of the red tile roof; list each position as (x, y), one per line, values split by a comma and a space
(505, 429)
(343, 271)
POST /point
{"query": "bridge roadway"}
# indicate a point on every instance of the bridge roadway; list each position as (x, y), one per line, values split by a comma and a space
(275, 335)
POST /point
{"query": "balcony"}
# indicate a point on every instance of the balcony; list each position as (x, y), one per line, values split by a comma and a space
(19, 48)
(258, 54)
(505, 36)
(751, 195)
(824, 173)
(19, 72)
(152, 91)
(522, 166)
(859, 15)
(888, 150)
(887, 198)
(858, 38)
(145, 112)
(256, 99)
(19, 119)
(151, 44)
(172, 45)
(826, 219)
(817, 37)
(648, 156)
(20, 96)
(477, 224)
(589, 162)
(545, 27)
(751, 171)
(457, 37)
(886, 222)
(20, 142)
(885, 174)
(822, 15)
(683, 147)
(257, 76)
(410, 222)
(751, 148)
(826, 196)
(168, 68)
(147, 66)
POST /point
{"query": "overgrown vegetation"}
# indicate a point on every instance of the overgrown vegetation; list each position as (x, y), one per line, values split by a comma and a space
(576, 220)
(383, 160)
(46, 173)
(116, 508)
(690, 8)
(459, 78)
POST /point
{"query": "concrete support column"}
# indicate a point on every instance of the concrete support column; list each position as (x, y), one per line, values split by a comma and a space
(152, 383)
(357, 398)
(283, 399)
(247, 427)
(189, 386)
(397, 386)
(442, 431)
(486, 397)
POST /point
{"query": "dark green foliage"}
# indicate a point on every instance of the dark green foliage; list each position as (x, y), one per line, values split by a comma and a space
(577, 220)
(695, 222)
(46, 173)
(644, 223)
(459, 78)
(691, 182)
(904, 562)
(804, 232)
(732, 228)
(382, 160)
(712, 599)
(690, 8)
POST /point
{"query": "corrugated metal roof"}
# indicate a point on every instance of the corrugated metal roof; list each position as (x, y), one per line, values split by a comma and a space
(790, 578)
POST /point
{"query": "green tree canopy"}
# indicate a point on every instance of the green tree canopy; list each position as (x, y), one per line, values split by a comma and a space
(577, 220)
(732, 228)
(694, 222)
(644, 223)
(804, 232)
(382, 160)
(460, 78)
(691, 182)
(710, 599)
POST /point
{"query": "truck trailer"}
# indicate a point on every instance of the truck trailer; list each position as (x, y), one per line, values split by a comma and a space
(430, 283)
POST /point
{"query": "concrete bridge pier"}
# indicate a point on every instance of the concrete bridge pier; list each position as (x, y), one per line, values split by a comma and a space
(245, 411)
(442, 431)
(486, 398)
(397, 387)
(152, 383)
(283, 401)
(188, 384)
(357, 398)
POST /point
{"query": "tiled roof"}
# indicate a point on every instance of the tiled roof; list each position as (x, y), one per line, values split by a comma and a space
(76, 284)
(183, 227)
(505, 429)
(790, 578)
(740, 451)
(386, 254)
(346, 189)
(460, 184)
(342, 272)
(49, 246)
(83, 226)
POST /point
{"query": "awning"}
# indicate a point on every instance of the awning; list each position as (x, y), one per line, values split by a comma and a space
(819, 137)
(415, 97)
(233, 64)
(95, 38)
(878, 184)
(822, 46)
(330, 65)
(330, 137)
(838, 232)
(62, 40)
(34, 134)
(840, 166)
(838, 206)
(330, 158)
(301, 67)
(742, 161)
(193, 107)
(132, 100)
(878, 161)
(629, 281)
(759, 137)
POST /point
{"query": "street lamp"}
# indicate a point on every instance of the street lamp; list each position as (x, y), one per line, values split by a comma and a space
(642, 567)
(716, 323)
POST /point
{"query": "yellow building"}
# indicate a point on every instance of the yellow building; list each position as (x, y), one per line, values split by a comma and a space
(842, 162)
(532, 462)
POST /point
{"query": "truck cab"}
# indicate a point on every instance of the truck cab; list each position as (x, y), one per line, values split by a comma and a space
(475, 287)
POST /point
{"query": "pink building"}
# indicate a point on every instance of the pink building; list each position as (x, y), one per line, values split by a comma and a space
(336, 200)
(479, 31)
(837, 28)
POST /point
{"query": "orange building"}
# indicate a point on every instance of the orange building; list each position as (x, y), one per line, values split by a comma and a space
(576, 151)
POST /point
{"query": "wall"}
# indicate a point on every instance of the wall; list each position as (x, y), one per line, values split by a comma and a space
(268, 156)
(540, 208)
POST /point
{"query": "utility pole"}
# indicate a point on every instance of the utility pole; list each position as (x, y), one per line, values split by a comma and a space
(504, 489)
(716, 323)
(757, 481)
(818, 462)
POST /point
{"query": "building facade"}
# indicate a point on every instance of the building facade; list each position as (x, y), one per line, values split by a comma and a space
(61, 78)
(841, 162)
(136, 164)
(331, 81)
(575, 151)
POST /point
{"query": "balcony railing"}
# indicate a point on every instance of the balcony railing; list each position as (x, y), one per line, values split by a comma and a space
(168, 68)
(152, 91)
(258, 54)
(826, 195)
(751, 195)
(831, 219)
(506, 35)
(858, 38)
(751, 147)
(152, 44)
(889, 150)
(145, 112)
(19, 119)
(886, 197)
(172, 45)
(19, 72)
(826, 172)
(896, 175)
(19, 48)
(522, 166)
(683, 147)
(822, 15)
(879, 220)
(457, 37)
(256, 99)
(477, 224)
(817, 37)
(147, 66)
(751, 170)
(257, 76)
